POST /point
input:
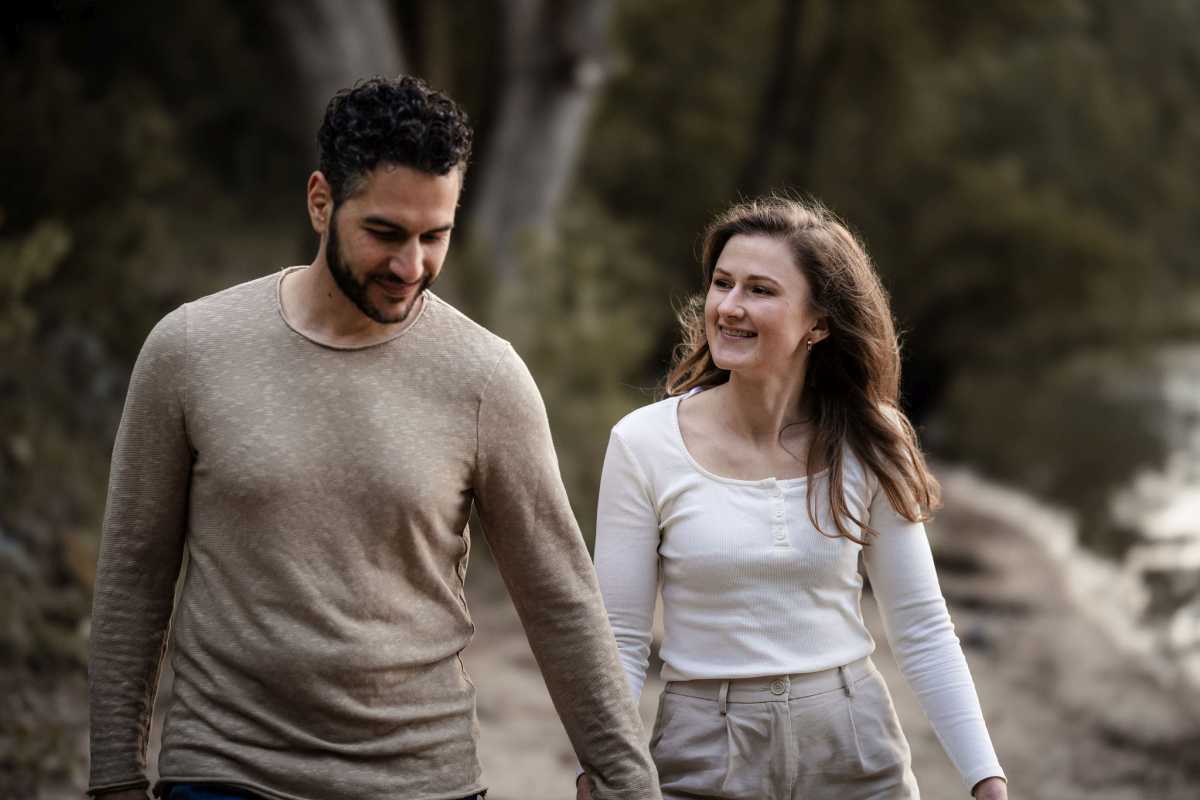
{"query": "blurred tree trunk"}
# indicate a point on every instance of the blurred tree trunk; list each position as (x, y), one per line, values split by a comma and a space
(787, 93)
(335, 44)
(426, 38)
(773, 115)
(814, 89)
(554, 63)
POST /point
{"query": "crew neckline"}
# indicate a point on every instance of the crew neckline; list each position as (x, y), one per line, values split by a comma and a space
(767, 482)
(427, 298)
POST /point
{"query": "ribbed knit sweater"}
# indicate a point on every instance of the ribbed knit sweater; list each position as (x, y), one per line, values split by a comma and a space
(751, 588)
(322, 496)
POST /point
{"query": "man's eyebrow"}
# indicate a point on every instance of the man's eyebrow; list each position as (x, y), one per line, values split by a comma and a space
(384, 222)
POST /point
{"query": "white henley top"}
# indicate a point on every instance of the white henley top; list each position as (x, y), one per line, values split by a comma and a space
(751, 588)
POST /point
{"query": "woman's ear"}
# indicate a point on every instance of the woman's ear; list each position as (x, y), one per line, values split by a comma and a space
(819, 330)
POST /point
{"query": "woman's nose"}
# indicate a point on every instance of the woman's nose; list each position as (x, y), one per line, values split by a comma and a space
(730, 305)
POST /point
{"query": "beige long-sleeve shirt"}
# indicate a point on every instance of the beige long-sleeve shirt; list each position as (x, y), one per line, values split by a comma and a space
(322, 496)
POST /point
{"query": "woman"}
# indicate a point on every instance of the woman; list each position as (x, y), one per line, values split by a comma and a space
(778, 464)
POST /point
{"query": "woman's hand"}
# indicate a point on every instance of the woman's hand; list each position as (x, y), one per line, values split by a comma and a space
(583, 789)
(991, 789)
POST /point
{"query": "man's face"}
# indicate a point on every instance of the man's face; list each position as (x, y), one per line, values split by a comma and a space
(387, 241)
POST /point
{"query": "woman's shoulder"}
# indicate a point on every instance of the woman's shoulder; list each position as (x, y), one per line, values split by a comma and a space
(648, 423)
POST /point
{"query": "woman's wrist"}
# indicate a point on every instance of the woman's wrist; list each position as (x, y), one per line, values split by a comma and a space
(991, 787)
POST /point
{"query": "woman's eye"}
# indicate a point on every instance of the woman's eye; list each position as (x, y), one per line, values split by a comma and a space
(763, 290)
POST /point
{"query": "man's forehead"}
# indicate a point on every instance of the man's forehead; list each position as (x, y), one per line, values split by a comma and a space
(399, 193)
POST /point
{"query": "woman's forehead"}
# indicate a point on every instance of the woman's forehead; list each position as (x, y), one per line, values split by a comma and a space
(748, 255)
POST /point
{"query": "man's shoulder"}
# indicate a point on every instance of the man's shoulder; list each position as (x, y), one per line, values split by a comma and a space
(182, 317)
(463, 329)
(249, 295)
(473, 349)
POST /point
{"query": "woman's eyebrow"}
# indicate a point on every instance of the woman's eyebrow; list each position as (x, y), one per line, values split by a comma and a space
(750, 277)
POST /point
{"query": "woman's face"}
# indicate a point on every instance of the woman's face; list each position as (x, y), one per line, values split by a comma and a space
(758, 313)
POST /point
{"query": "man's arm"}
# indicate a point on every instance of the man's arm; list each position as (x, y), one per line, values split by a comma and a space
(140, 553)
(544, 562)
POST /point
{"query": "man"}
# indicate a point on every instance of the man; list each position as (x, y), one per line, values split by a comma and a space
(315, 439)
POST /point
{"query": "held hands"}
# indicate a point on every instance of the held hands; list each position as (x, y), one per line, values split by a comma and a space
(991, 789)
(123, 794)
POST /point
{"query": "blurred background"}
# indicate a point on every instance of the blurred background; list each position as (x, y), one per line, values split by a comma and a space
(1026, 175)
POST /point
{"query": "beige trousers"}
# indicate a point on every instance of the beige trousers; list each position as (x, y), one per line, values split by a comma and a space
(831, 734)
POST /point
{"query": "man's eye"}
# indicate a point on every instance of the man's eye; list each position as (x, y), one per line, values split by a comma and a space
(432, 237)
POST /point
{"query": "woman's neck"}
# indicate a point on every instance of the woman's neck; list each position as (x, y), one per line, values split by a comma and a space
(760, 409)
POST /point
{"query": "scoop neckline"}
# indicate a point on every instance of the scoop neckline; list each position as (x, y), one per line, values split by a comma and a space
(767, 482)
(283, 273)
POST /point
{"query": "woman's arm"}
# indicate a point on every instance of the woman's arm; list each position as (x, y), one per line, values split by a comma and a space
(899, 563)
(626, 565)
(627, 538)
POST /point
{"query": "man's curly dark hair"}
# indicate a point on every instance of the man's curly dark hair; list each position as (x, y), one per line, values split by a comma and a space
(390, 121)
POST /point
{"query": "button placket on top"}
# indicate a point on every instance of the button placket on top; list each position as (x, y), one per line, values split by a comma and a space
(778, 514)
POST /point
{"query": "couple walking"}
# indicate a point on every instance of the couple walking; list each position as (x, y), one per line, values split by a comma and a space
(315, 440)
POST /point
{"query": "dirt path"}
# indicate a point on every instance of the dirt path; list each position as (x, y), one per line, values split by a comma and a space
(1071, 715)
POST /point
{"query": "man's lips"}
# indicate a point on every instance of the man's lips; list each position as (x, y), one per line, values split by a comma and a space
(397, 288)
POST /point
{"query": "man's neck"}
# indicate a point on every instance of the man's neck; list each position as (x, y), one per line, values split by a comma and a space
(315, 306)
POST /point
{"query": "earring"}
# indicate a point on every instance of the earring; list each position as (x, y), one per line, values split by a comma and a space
(810, 344)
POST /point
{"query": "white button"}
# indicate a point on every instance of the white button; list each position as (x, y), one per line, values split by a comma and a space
(778, 687)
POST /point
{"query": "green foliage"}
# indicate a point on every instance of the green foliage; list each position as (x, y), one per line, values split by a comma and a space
(24, 263)
(1020, 172)
(118, 201)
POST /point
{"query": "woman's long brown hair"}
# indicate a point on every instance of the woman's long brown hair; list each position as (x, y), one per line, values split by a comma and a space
(852, 385)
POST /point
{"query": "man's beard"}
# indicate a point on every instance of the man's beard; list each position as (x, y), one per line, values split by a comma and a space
(356, 290)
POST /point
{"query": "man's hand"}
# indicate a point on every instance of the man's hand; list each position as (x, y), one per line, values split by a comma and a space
(583, 788)
(991, 789)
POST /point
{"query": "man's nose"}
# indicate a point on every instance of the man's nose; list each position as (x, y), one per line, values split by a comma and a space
(405, 263)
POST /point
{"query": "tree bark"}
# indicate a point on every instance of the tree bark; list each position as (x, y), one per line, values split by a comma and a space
(789, 92)
(814, 91)
(554, 65)
(773, 115)
(334, 45)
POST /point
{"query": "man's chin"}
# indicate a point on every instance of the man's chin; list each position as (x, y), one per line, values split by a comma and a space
(393, 312)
